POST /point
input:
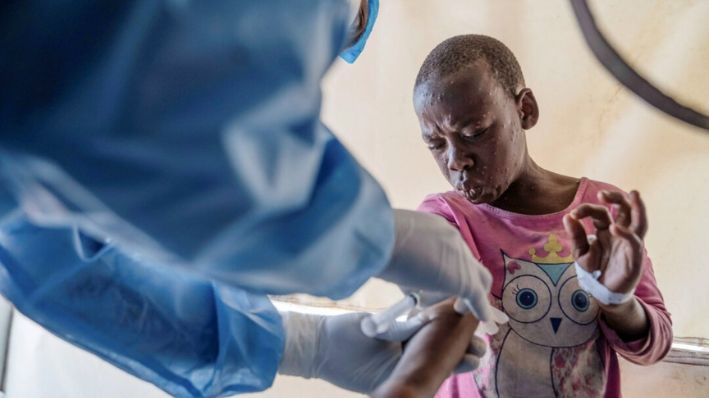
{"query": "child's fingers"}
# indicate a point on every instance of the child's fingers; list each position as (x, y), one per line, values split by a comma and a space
(471, 360)
(628, 235)
(469, 363)
(578, 235)
(587, 255)
(619, 200)
(639, 215)
(594, 260)
(599, 214)
(477, 346)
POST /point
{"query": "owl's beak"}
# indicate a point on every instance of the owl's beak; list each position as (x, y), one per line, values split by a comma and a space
(555, 322)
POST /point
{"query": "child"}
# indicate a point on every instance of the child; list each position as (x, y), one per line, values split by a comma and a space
(528, 226)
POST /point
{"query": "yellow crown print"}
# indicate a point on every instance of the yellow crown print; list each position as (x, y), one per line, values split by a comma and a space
(552, 247)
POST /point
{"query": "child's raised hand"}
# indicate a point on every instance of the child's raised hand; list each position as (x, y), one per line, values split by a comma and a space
(618, 248)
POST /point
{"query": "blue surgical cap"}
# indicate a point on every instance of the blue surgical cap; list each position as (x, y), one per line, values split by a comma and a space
(351, 53)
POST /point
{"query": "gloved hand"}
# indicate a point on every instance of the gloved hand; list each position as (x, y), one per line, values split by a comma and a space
(430, 255)
(333, 348)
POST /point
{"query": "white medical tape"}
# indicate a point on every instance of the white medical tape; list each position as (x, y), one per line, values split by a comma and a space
(589, 282)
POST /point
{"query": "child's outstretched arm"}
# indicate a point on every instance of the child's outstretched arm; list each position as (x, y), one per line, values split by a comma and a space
(432, 354)
(639, 329)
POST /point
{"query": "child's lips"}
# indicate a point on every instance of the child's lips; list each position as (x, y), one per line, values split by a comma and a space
(472, 193)
(474, 196)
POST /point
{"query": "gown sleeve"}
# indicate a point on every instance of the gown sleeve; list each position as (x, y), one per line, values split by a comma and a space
(188, 336)
(190, 133)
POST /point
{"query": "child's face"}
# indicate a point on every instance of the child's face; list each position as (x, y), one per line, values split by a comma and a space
(472, 127)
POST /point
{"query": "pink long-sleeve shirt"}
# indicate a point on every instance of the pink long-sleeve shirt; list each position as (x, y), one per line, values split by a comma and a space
(556, 343)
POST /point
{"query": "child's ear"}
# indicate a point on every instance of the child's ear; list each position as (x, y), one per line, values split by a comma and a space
(527, 108)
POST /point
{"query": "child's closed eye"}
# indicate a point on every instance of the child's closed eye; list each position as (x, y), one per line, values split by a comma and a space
(435, 144)
(474, 135)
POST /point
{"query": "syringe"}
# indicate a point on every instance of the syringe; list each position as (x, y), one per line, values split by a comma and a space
(376, 324)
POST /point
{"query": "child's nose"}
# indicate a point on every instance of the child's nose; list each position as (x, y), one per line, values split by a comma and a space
(459, 160)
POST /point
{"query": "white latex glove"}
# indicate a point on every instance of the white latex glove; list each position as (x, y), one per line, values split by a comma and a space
(333, 348)
(430, 255)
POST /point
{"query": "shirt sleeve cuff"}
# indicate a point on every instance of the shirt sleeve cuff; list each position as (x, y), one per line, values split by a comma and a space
(635, 347)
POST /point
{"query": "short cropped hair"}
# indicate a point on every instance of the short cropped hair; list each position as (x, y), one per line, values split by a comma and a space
(458, 52)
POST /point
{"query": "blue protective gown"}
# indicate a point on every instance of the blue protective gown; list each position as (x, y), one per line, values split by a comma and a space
(163, 166)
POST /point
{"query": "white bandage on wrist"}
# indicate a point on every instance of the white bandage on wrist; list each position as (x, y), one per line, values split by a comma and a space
(589, 282)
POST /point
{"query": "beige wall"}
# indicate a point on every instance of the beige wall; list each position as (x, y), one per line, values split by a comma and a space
(589, 125)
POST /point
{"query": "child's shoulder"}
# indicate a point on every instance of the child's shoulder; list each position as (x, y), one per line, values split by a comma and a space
(450, 205)
(441, 196)
(443, 200)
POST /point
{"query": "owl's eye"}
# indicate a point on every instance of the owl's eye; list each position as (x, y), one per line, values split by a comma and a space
(526, 298)
(576, 304)
(580, 300)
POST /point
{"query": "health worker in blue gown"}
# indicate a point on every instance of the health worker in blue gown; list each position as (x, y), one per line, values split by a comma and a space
(163, 168)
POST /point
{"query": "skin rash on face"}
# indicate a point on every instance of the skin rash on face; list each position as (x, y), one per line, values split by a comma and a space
(475, 131)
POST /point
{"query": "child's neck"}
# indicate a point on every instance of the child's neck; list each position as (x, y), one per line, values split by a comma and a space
(538, 191)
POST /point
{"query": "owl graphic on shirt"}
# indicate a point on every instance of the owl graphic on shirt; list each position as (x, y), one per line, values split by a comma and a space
(548, 348)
